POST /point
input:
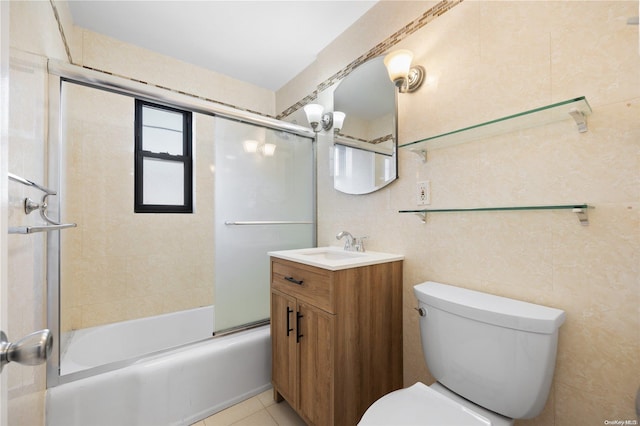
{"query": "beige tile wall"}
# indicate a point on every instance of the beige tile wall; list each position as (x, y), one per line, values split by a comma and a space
(138, 265)
(487, 59)
(118, 265)
(33, 36)
(25, 253)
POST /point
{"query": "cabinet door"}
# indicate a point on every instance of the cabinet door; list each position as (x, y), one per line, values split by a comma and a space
(284, 366)
(316, 358)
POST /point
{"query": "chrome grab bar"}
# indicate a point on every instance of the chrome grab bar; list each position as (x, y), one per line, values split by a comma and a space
(32, 349)
(269, 222)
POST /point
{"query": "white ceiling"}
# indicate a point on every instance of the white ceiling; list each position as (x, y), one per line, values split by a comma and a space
(263, 42)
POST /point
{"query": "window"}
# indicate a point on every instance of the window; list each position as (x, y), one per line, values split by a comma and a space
(163, 162)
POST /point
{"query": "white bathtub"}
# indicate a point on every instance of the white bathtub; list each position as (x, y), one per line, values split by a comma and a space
(178, 387)
(106, 344)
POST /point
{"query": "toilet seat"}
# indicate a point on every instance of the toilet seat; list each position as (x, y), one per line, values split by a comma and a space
(421, 405)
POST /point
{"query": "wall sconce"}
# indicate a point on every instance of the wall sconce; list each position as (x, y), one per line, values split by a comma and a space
(406, 78)
(318, 120)
(338, 120)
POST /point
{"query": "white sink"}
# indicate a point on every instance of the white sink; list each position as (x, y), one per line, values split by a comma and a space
(335, 258)
(328, 254)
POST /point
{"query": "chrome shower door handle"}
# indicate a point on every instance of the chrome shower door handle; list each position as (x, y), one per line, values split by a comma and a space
(32, 349)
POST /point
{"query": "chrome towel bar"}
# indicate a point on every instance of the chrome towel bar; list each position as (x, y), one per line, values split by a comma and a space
(30, 205)
(27, 182)
(269, 222)
(39, 228)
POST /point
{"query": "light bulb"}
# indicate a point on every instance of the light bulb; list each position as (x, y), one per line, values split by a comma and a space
(338, 120)
(398, 64)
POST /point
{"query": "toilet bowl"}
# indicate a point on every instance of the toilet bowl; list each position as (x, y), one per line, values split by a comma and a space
(492, 357)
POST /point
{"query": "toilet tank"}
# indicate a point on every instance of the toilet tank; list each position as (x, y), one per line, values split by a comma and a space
(497, 352)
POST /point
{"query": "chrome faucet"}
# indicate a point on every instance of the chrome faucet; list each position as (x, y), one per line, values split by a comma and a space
(351, 243)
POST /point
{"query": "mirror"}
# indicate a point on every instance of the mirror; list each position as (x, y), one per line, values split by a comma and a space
(364, 151)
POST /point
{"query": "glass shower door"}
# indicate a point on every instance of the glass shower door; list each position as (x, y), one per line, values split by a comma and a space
(264, 201)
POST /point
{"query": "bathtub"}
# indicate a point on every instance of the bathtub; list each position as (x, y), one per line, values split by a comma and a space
(177, 387)
(125, 340)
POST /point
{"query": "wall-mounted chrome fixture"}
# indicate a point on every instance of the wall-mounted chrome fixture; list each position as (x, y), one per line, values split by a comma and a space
(406, 78)
(30, 206)
(320, 120)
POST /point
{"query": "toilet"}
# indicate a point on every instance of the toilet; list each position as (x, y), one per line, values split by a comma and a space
(492, 357)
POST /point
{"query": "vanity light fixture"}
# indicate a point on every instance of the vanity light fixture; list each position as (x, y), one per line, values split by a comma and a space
(338, 120)
(320, 120)
(406, 78)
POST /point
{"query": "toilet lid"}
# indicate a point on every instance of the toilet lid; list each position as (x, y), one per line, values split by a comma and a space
(420, 405)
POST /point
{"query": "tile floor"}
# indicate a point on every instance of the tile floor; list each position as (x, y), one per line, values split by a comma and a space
(261, 410)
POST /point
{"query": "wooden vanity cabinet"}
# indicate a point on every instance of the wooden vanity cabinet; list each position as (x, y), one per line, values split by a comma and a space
(336, 338)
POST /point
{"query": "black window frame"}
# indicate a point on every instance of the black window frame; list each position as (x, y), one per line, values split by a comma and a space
(186, 159)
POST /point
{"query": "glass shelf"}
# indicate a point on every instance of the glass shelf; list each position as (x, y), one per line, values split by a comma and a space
(579, 209)
(576, 108)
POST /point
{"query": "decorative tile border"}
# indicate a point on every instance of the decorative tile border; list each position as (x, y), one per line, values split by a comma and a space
(395, 38)
(376, 141)
(70, 59)
(191, 95)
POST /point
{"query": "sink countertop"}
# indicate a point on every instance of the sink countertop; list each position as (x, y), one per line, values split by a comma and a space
(335, 258)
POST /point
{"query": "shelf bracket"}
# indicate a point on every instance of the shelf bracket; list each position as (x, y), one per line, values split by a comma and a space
(420, 153)
(580, 119)
(582, 215)
(422, 216)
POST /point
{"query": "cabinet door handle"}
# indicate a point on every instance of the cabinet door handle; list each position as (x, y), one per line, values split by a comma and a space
(289, 329)
(293, 280)
(298, 335)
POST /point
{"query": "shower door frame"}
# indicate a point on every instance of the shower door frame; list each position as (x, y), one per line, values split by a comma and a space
(60, 72)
